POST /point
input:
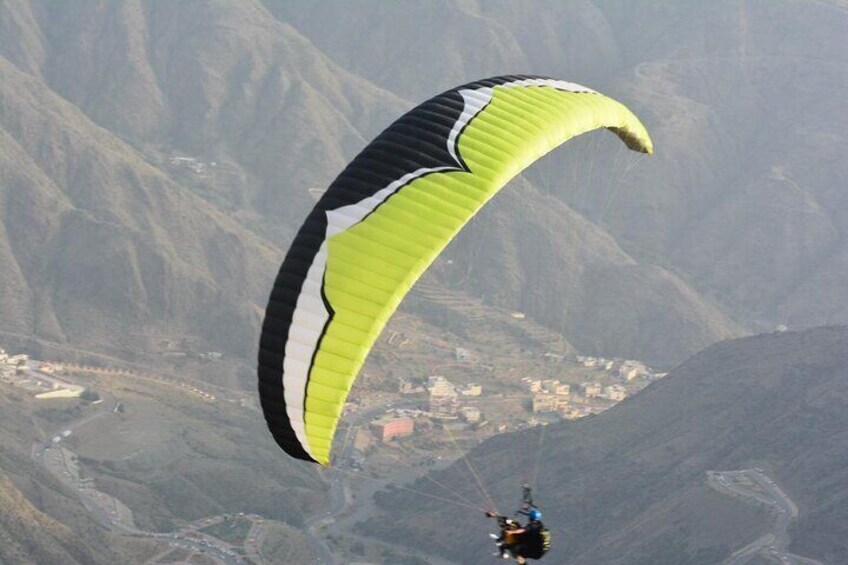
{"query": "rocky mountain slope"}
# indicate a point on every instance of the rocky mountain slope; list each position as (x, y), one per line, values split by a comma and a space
(42, 520)
(167, 453)
(104, 244)
(100, 248)
(745, 197)
(29, 535)
(630, 485)
(268, 113)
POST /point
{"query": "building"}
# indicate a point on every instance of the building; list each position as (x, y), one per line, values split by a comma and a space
(71, 391)
(562, 390)
(471, 389)
(573, 413)
(440, 386)
(11, 364)
(470, 414)
(588, 361)
(408, 387)
(442, 401)
(388, 428)
(212, 355)
(19, 360)
(630, 370)
(443, 406)
(591, 390)
(544, 403)
(616, 392)
(189, 163)
(531, 385)
(550, 385)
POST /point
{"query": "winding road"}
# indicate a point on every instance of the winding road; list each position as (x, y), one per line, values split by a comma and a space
(340, 518)
(754, 486)
(107, 510)
(344, 513)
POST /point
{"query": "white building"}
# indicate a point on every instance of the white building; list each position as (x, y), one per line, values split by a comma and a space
(544, 403)
(550, 385)
(14, 363)
(471, 389)
(591, 390)
(562, 390)
(588, 361)
(573, 412)
(470, 414)
(443, 406)
(630, 370)
(616, 392)
(440, 386)
(531, 385)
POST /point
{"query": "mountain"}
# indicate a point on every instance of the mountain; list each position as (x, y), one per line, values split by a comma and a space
(230, 115)
(569, 274)
(29, 535)
(218, 81)
(743, 201)
(630, 485)
(157, 158)
(42, 521)
(738, 222)
(105, 245)
(168, 452)
(101, 248)
(472, 38)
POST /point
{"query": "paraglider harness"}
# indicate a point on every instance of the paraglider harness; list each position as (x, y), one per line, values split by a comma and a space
(513, 536)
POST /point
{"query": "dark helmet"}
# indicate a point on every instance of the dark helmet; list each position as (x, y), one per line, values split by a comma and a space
(535, 515)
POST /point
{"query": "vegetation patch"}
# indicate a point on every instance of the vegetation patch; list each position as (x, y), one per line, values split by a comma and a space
(230, 530)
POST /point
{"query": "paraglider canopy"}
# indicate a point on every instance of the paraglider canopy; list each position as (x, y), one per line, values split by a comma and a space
(384, 220)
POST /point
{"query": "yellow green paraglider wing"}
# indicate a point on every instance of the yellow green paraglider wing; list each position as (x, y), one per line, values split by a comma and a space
(386, 218)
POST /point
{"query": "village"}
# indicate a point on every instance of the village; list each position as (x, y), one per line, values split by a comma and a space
(45, 382)
(425, 417)
(388, 434)
(428, 414)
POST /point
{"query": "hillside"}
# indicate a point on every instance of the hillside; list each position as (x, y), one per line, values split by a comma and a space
(261, 110)
(106, 244)
(630, 485)
(152, 455)
(218, 81)
(29, 535)
(102, 249)
(156, 159)
(42, 521)
(743, 201)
